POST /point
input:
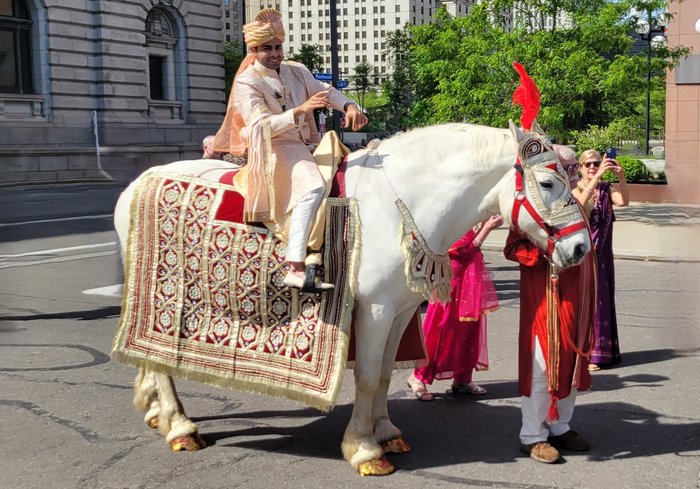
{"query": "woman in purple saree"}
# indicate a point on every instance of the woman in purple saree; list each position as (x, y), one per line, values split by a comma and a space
(598, 198)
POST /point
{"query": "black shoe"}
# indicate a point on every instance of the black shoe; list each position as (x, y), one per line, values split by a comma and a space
(570, 440)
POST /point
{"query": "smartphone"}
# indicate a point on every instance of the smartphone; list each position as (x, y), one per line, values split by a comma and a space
(611, 153)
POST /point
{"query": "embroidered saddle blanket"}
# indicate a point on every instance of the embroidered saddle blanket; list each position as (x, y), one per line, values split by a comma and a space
(204, 298)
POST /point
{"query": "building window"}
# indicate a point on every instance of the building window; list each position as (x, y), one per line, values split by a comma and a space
(167, 63)
(156, 74)
(15, 48)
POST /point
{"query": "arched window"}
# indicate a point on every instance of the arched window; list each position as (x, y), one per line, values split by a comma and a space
(15, 47)
(166, 64)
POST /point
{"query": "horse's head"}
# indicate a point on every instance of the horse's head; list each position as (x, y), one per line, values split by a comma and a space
(551, 219)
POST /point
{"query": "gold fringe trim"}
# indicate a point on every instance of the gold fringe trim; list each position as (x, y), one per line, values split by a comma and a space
(427, 274)
(237, 383)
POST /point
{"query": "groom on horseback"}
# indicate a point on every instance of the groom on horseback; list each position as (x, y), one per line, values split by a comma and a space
(270, 115)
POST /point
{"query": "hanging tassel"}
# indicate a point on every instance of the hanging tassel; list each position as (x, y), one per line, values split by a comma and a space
(553, 413)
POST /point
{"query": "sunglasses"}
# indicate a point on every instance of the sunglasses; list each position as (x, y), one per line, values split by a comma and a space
(589, 164)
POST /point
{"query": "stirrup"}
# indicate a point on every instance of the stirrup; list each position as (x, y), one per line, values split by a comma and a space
(310, 283)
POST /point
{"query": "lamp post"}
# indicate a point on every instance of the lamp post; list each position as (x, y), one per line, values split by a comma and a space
(647, 32)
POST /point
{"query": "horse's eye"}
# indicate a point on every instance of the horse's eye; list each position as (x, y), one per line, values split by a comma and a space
(546, 184)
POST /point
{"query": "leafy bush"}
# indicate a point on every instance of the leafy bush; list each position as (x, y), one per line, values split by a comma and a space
(635, 171)
(598, 138)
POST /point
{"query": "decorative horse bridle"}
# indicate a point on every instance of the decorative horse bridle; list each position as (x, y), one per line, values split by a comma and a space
(538, 156)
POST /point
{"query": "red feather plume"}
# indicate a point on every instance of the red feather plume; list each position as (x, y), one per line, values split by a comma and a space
(527, 95)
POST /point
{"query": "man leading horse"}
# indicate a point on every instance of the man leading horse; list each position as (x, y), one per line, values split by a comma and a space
(270, 115)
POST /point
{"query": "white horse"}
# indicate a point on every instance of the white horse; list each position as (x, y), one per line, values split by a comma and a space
(449, 177)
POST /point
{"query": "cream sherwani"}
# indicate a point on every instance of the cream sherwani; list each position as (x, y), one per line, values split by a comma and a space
(261, 93)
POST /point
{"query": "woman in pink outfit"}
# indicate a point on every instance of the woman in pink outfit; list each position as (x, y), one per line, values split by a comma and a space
(455, 334)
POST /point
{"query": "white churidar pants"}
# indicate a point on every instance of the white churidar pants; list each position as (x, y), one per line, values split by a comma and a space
(300, 224)
(534, 409)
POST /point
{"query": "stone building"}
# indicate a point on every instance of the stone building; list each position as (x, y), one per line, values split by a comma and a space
(144, 78)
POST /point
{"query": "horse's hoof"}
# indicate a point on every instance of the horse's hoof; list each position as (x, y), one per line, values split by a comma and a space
(190, 443)
(378, 466)
(397, 445)
(153, 422)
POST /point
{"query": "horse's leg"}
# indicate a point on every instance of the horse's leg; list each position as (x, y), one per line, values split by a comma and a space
(385, 432)
(179, 431)
(146, 396)
(359, 447)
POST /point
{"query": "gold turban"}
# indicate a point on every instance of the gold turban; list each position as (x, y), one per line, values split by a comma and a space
(266, 26)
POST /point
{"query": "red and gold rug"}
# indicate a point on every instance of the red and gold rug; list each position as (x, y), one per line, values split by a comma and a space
(204, 298)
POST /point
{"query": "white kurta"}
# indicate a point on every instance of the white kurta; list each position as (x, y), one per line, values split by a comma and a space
(261, 93)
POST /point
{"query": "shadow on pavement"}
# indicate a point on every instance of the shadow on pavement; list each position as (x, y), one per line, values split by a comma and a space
(93, 203)
(86, 315)
(452, 431)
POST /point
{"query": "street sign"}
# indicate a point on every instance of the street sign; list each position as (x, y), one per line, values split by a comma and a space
(324, 76)
(341, 84)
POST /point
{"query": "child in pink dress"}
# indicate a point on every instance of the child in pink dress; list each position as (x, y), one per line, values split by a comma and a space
(455, 334)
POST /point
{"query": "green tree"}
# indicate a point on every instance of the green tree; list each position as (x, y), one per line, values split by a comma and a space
(363, 81)
(309, 55)
(463, 67)
(233, 55)
(399, 88)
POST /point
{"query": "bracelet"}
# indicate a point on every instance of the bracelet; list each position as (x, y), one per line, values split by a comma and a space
(345, 107)
(477, 243)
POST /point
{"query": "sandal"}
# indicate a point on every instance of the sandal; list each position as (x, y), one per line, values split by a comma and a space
(419, 389)
(470, 388)
(592, 367)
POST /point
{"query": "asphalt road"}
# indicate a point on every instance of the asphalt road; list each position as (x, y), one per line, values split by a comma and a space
(67, 420)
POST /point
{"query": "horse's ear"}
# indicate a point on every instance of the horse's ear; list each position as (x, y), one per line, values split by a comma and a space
(536, 128)
(518, 133)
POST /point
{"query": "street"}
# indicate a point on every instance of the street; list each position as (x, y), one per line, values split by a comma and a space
(68, 420)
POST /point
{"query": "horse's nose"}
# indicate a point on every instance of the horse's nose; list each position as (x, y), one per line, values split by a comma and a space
(579, 252)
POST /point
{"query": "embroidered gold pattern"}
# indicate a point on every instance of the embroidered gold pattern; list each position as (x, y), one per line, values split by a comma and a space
(206, 299)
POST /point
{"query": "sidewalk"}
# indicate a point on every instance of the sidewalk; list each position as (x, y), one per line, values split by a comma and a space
(649, 232)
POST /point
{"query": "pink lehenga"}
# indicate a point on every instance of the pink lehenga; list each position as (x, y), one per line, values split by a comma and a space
(455, 334)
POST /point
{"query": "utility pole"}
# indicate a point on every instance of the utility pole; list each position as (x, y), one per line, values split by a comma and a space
(334, 58)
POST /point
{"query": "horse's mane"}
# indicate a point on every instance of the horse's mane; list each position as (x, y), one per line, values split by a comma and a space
(484, 143)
